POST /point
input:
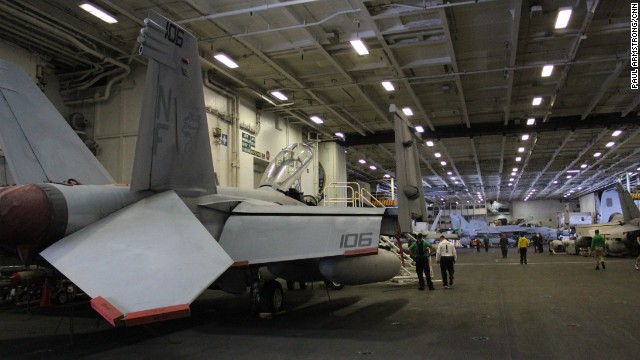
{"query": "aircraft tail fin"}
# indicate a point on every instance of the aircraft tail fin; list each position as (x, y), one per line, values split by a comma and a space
(38, 144)
(628, 206)
(411, 203)
(173, 150)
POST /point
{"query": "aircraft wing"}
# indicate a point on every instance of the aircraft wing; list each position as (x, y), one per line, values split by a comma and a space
(144, 263)
(256, 234)
(613, 228)
(38, 144)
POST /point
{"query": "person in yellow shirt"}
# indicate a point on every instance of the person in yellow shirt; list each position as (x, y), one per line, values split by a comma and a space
(523, 243)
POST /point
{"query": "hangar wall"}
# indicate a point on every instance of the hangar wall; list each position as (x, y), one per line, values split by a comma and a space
(544, 211)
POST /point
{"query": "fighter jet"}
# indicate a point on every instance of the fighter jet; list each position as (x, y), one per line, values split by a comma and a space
(144, 252)
(620, 232)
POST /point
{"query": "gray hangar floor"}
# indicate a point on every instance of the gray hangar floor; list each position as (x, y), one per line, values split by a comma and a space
(556, 307)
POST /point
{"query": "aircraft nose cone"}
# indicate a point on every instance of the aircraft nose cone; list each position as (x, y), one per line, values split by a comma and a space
(25, 215)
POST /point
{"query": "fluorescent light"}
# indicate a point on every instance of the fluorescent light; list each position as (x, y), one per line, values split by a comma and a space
(547, 70)
(531, 121)
(359, 46)
(223, 58)
(386, 176)
(450, 173)
(583, 166)
(443, 163)
(616, 133)
(525, 137)
(372, 167)
(437, 155)
(610, 144)
(407, 111)
(453, 178)
(521, 149)
(555, 181)
(597, 154)
(339, 134)
(429, 143)
(514, 169)
(536, 101)
(518, 158)
(419, 129)
(573, 171)
(563, 18)
(362, 161)
(510, 184)
(278, 95)
(513, 174)
(97, 12)
(316, 119)
(510, 179)
(388, 86)
(568, 176)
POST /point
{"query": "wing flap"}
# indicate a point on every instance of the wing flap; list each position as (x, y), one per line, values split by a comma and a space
(146, 261)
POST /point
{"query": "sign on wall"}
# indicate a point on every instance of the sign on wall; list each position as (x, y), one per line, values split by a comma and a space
(248, 145)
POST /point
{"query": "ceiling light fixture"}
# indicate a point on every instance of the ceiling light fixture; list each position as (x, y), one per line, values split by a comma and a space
(513, 174)
(583, 166)
(563, 17)
(362, 161)
(518, 158)
(388, 86)
(437, 155)
(616, 133)
(316, 119)
(339, 134)
(449, 172)
(386, 176)
(407, 111)
(419, 129)
(361, 49)
(98, 12)
(525, 137)
(547, 70)
(511, 179)
(573, 171)
(225, 59)
(531, 121)
(521, 149)
(279, 95)
(610, 144)
(514, 169)
(536, 101)
(372, 167)
(443, 163)
(429, 143)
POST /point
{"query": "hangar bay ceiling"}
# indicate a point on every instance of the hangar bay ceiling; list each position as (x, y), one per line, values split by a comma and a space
(468, 70)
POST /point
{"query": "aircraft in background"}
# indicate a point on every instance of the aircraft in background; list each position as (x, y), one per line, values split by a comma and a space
(620, 232)
(173, 227)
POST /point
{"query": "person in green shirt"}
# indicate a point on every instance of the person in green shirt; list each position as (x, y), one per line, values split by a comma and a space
(597, 247)
(420, 251)
(486, 242)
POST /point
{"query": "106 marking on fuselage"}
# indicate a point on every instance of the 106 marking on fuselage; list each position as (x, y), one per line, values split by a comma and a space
(356, 240)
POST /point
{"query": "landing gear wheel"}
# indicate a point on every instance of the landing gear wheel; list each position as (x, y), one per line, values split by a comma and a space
(62, 297)
(333, 285)
(270, 297)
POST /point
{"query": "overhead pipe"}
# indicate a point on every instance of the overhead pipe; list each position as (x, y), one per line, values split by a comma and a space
(126, 69)
(244, 11)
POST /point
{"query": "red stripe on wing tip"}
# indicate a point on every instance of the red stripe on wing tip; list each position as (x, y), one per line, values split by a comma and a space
(159, 314)
(106, 310)
(361, 252)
